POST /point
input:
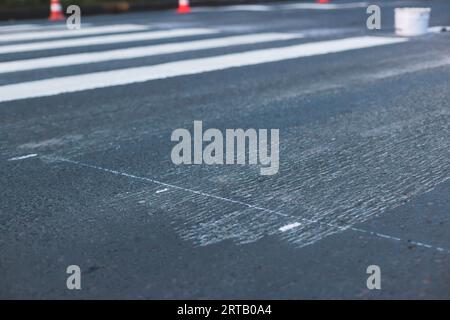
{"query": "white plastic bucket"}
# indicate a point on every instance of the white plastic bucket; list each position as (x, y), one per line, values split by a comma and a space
(411, 21)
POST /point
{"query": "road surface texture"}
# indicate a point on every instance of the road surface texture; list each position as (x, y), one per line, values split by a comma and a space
(86, 179)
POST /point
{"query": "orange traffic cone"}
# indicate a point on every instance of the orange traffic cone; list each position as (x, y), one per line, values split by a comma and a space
(183, 6)
(56, 13)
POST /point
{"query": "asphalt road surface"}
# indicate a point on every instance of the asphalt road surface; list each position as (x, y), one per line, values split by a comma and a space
(87, 178)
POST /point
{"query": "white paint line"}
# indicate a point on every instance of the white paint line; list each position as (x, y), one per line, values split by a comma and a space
(385, 236)
(167, 185)
(337, 6)
(342, 228)
(18, 27)
(54, 86)
(325, 6)
(305, 6)
(162, 190)
(234, 8)
(107, 39)
(23, 157)
(65, 33)
(138, 52)
(289, 226)
(247, 7)
(439, 29)
(36, 27)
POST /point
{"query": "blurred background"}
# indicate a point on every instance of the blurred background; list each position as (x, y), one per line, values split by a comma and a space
(26, 9)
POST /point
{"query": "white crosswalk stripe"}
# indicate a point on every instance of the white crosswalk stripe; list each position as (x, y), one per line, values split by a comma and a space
(94, 80)
(100, 40)
(247, 7)
(289, 6)
(273, 47)
(19, 27)
(326, 6)
(139, 52)
(66, 33)
(35, 28)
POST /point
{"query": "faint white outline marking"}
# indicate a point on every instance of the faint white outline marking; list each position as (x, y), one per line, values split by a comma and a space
(118, 173)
